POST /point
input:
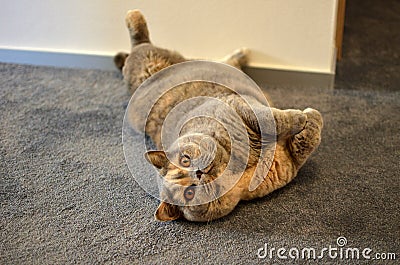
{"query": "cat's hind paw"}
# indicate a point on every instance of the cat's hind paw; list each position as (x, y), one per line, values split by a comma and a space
(238, 58)
(136, 23)
(289, 122)
(306, 141)
(314, 116)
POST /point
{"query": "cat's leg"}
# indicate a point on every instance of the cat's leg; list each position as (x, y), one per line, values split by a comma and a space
(238, 58)
(137, 26)
(288, 122)
(302, 144)
(119, 60)
(291, 152)
(272, 123)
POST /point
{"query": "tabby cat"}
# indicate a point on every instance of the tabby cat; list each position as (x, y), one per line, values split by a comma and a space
(191, 188)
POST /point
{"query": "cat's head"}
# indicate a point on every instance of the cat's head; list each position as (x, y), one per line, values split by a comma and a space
(191, 188)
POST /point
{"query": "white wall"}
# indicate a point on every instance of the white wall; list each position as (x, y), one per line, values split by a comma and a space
(282, 34)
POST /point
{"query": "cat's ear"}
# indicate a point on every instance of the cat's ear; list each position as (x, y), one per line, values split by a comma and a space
(157, 158)
(167, 212)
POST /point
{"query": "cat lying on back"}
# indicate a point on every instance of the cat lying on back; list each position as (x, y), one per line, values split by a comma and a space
(296, 136)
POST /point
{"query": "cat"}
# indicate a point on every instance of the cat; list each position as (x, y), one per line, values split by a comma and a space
(199, 186)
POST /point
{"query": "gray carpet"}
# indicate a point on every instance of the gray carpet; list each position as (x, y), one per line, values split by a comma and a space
(371, 50)
(67, 196)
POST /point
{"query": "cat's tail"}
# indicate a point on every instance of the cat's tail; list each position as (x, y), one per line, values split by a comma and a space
(136, 23)
(119, 60)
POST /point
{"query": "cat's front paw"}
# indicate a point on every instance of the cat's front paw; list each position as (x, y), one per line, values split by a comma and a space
(314, 118)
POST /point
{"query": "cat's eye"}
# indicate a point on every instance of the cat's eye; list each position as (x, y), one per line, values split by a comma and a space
(185, 161)
(189, 193)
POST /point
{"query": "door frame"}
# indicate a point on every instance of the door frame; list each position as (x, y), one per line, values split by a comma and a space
(340, 28)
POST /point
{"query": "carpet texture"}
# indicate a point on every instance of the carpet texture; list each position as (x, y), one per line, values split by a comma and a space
(371, 50)
(67, 195)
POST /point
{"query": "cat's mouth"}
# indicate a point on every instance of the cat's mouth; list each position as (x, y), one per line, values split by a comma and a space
(207, 179)
(199, 209)
(201, 173)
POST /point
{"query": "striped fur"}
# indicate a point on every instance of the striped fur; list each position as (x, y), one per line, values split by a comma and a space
(296, 135)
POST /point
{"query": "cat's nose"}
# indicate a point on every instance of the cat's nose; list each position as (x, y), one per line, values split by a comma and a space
(199, 173)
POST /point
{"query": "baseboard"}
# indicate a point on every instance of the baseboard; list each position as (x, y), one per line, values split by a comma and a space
(262, 76)
(57, 59)
(290, 78)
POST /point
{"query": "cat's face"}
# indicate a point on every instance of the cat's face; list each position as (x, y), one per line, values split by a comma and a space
(189, 188)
